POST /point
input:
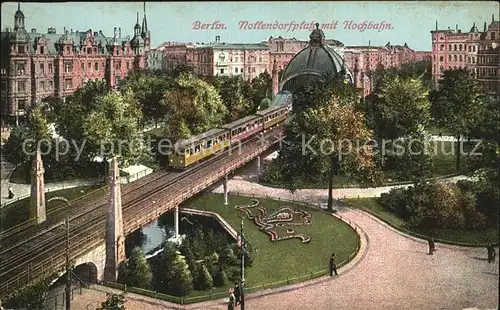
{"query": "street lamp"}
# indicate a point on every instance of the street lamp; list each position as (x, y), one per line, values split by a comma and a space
(241, 244)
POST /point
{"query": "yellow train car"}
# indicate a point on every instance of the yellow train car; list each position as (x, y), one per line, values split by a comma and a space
(189, 151)
(273, 115)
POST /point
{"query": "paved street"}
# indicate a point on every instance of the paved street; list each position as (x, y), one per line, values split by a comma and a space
(393, 272)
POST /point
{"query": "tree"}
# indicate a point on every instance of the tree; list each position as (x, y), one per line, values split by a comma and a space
(135, 271)
(231, 90)
(36, 129)
(135, 239)
(172, 275)
(326, 136)
(261, 88)
(195, 106)
(400, 108)
(456, 104)
(31, 297)
(220, 278)
(203, 279)
(113, 301)
(148, 89)
(113, 127)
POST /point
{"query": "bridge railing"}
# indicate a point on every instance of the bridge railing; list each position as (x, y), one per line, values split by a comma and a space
(82, 245)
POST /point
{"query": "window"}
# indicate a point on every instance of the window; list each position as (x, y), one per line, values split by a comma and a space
(42, 68)
(89, 65)
(96, 66)
(82, 65)
(42, 50)
(449, 47)
(449, 57)
(68, 67)
(42, 85)
(460, 47)
(21, 86)
(493, 35)
(260, 59)
(128, 65)
(51, 85)
(235, 70)
(454, 47)
(20, 49)
(68, 49)
(441, 58)
(460, 57)
(469, 48)
(455, 57)
(468, 59)
(473, 48)
(89, 50)
(21, 104)
(248, 69)
(221, 71)
(241, 70)
(253, 69)
(20, 68)
(51, 69)
(68, 83)
(441, 47)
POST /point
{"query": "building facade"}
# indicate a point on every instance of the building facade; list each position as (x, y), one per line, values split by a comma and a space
(219, 59)
(474, 50)
(36, 65)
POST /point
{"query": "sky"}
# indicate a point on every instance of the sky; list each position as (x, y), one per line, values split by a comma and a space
(397, 22)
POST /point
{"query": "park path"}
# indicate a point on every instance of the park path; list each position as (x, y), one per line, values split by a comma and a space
(391, 271)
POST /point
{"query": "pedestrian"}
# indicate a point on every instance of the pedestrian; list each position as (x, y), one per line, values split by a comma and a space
(230, 304)
(237, 294)
(333, 266)
(11, 193)
(432, 246)
(491, 253)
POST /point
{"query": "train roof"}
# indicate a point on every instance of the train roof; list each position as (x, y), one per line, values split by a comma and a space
(240, 121)
(188, 142)
(271, 109)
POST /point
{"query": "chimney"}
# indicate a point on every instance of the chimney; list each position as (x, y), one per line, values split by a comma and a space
(64, 31)
(33, 30)
(114, 31)
(369, 43)
(217, 39)
(96, 33)
(72, 31)
(456, 27)
(120, 32)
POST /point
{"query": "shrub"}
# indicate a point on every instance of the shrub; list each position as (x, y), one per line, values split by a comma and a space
(220, 278)
(203, 279)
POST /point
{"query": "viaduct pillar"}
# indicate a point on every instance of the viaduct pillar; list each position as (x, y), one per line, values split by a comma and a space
(115, 239)
(176, 222)
(37, 199)
(225, 190)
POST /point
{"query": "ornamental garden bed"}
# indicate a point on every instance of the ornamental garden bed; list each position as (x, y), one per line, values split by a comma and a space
(451, 236)
(318, 235)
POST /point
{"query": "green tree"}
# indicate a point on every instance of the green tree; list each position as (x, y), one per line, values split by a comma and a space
(35, 129)
(326, 137)
(171, 274)
(232, 92)
(261, 88)
(203, 279)
(113, 127)
(194, 106)
(400, 108)
(135, 239)
(148, 89)
(113, 301)
(220, 277)
(135, 271)
(456, 104)
(31, 297)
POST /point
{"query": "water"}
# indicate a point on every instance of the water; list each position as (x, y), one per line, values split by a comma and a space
(156, 235)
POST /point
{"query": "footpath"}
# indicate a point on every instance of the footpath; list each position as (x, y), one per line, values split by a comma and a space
(389, 260)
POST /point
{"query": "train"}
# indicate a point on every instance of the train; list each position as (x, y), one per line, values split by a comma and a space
(188, 152)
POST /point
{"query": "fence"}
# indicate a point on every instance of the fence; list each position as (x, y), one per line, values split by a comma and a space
(264, 286)
(57, 187)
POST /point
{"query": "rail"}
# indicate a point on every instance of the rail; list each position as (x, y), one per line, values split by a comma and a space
(151, 208)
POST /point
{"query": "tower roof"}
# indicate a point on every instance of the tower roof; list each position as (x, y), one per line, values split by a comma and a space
(19, 13)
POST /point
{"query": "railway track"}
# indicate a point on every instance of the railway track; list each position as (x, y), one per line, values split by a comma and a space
(90, 224)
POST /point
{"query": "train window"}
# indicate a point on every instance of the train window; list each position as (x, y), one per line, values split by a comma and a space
(209, 143)
(234, 133)
(197, 149)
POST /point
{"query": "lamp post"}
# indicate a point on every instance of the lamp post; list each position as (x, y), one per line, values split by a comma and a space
(241, 242)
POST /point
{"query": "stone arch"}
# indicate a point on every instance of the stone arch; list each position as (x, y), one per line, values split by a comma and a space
(87, 272)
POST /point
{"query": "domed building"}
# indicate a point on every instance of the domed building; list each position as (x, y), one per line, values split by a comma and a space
(315, 60)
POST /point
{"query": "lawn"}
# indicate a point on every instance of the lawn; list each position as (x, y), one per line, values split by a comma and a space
(281, 260)
(18, 212)
(371, 205)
